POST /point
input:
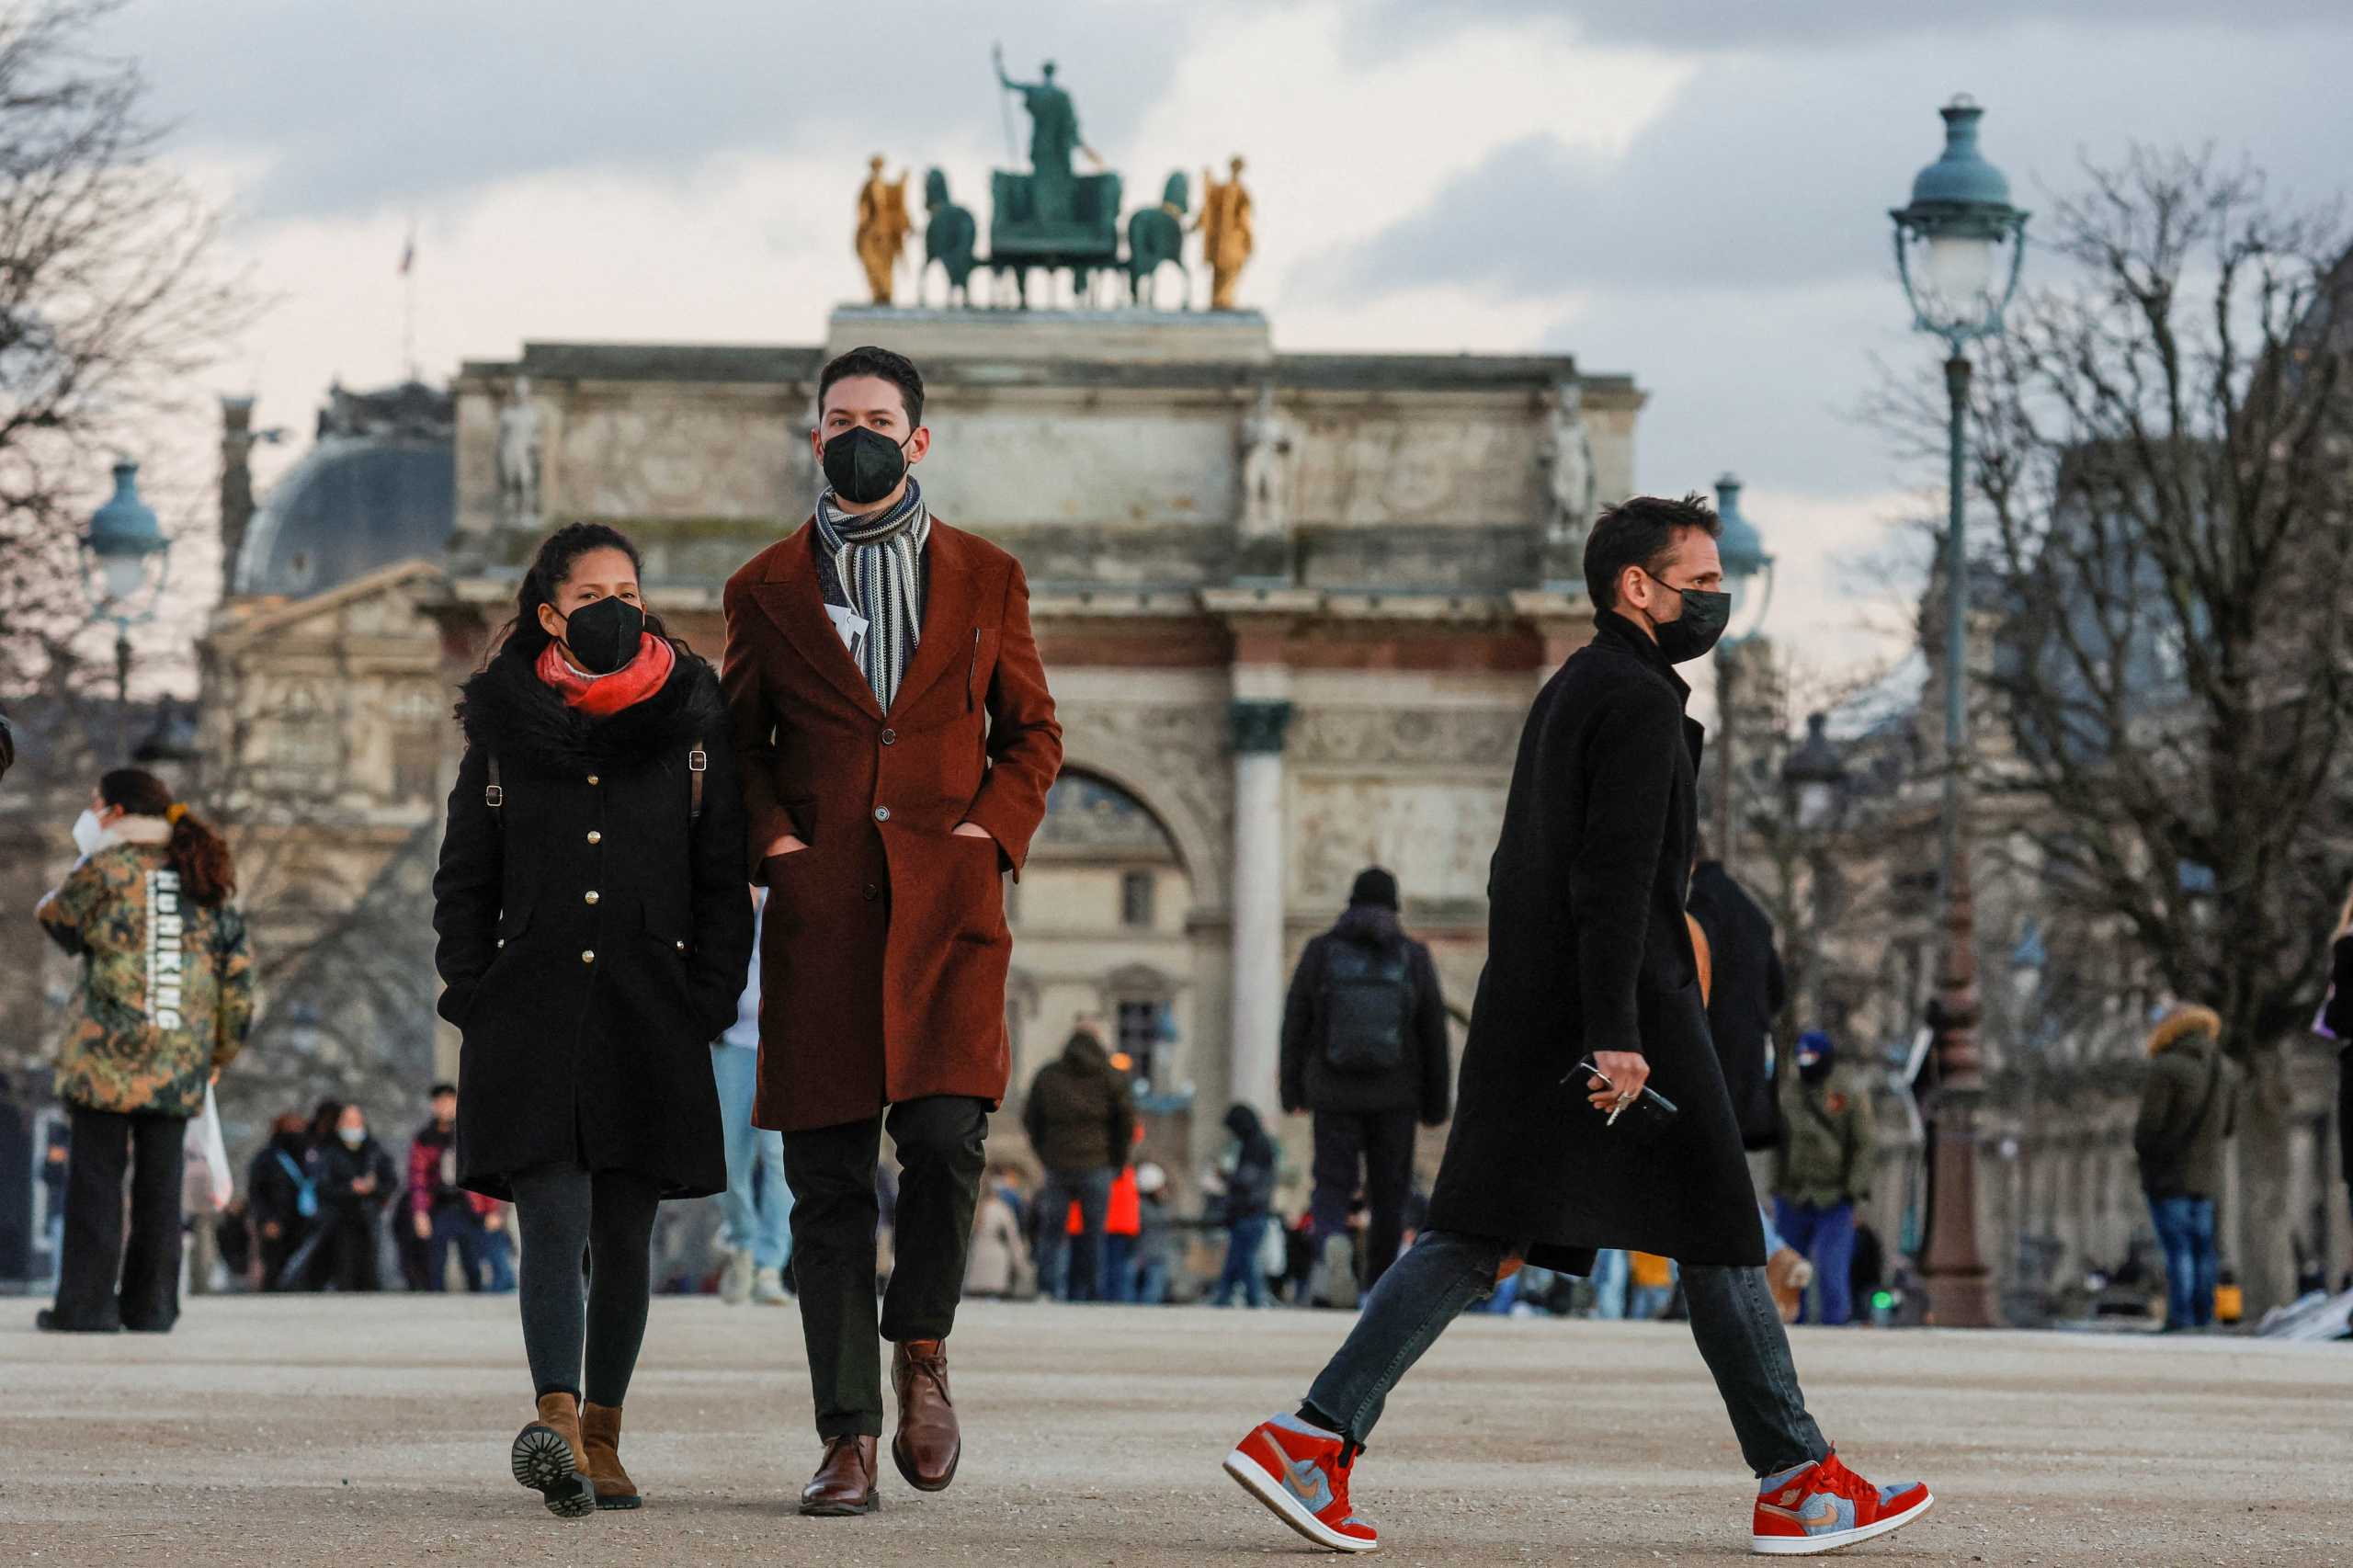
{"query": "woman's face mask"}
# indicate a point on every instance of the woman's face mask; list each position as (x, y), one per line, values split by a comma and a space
(352, 1136)
(604, 634)
(90, 835)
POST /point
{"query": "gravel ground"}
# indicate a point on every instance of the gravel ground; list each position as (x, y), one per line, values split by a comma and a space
(321, 1430)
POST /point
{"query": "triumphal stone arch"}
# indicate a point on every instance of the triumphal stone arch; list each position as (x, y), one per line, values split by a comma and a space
(1294, 607)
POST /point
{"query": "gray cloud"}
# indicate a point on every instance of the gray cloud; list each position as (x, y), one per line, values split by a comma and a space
(1699, 27)
(1778, 169)
(364, 106)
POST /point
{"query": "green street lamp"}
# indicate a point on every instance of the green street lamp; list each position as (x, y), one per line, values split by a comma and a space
(1746, 562)
(1950, 240)
(125, 561)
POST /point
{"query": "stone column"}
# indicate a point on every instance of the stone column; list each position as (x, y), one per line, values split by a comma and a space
(1259, 726)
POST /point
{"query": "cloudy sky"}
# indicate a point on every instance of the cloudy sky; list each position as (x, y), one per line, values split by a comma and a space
(1691, 190)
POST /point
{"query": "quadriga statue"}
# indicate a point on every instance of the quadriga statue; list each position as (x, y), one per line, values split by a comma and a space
(1156, 236)
(949, 236)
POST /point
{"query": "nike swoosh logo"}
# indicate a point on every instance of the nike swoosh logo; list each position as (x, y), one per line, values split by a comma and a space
(1307, 1483)
(1822, 1513)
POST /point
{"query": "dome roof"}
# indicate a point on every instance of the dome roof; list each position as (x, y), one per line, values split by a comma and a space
(379, 486)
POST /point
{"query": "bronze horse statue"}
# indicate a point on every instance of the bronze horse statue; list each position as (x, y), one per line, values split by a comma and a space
(1156, 236)
(949, 236)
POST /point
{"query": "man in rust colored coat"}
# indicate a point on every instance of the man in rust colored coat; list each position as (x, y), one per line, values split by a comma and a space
(897, 741)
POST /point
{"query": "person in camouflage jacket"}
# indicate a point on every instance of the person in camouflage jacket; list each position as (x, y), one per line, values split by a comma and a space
(166, 1001)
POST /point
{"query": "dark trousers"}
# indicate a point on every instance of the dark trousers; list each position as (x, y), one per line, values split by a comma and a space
(1380, 1145)
(1826, 1238)
(830, 1171)
(106, 1145)
(455, 1225)
(1090, 1188)
(354, 1255)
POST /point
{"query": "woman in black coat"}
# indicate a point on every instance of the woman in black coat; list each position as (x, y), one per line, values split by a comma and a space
(356, 1180)
(595, 930)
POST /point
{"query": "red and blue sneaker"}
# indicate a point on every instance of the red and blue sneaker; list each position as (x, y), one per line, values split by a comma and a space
(1821, 1507)
(1302, 1472)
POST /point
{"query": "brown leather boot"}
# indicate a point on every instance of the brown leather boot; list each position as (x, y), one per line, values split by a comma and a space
(547, 1456)
(601, 1440)
(927, 1446)
(845, 1480)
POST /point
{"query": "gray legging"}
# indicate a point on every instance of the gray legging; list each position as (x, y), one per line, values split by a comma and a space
(566, 1214)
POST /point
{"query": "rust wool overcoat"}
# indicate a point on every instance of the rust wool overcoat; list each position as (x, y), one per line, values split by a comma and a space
(884, 951)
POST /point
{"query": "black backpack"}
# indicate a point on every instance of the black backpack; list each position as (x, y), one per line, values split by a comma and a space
(1368, 1007)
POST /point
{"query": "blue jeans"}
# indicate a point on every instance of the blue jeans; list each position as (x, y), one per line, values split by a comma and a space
(1610, 1269)
(1733, 1320)
(498, 1253)
(2186, 1229)
(1826, 1239)
(1120, 1266)
(1090, 1188)
(757, 1206)
(1245, 1239)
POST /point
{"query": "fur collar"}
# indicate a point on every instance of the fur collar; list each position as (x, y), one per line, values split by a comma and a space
(2200, 1026)
(509, 710)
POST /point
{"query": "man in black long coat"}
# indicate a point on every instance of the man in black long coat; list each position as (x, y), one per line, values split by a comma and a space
(1590, 964)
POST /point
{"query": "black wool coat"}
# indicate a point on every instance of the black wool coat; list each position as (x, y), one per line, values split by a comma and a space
(595, 935)
(1749, 991)
(1588, 950)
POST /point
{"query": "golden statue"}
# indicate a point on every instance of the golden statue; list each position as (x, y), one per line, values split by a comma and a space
(1224, 228)
(882, 228)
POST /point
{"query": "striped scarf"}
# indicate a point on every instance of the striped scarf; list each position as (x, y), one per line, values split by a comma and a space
(876, 564)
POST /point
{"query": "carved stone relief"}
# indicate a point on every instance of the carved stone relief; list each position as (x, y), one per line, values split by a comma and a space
(1437, 837)
(1483, 738)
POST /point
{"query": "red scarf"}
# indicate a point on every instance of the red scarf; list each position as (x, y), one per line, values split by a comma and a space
(600, 696)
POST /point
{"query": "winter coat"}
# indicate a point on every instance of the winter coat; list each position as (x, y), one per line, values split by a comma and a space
(2188, 1107)
(274, 1192)
(433, 1171)
(1588, 950)
(166, 992)
(1749, 993)
(1826, 1158)
(594, 931)
(1250, 1165)
(887, 934)
(1423, 1079)
(1081, 1114)
(342, 1166)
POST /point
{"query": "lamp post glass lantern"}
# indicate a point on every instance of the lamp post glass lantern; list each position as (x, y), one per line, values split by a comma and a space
(126, 560)
(1949, 244)
(1742, 548)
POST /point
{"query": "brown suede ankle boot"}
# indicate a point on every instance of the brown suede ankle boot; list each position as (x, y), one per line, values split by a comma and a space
(548, 1458)
(600, 1436)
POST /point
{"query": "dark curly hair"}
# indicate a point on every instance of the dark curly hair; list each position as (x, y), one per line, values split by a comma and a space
(523, 637)
(198, 854)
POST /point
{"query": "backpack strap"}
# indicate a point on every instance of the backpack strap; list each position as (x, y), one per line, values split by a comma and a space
(492, 795)
(698, 763)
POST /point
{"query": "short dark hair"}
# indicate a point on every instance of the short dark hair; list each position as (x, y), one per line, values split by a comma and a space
(1641, 532)
(440, 1089)
(869, 360)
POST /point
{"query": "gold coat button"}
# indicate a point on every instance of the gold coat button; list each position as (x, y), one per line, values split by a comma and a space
(588, 955)
(596, 838)
(588, 897)
(682, 947)
(502, 941)
(592, 779)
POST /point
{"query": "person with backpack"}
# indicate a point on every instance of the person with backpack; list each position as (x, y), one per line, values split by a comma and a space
(282, 1194)
(165, 1001)
(1365, 1053)
(595, 931)
(2189, 1110)
(1824, 1171)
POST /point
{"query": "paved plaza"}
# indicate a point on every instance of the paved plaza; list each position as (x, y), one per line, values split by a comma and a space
(374, 1431)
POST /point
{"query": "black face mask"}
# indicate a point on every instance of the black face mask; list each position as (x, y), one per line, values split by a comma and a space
(1691, 634)
(604, 635)
(862, 466)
